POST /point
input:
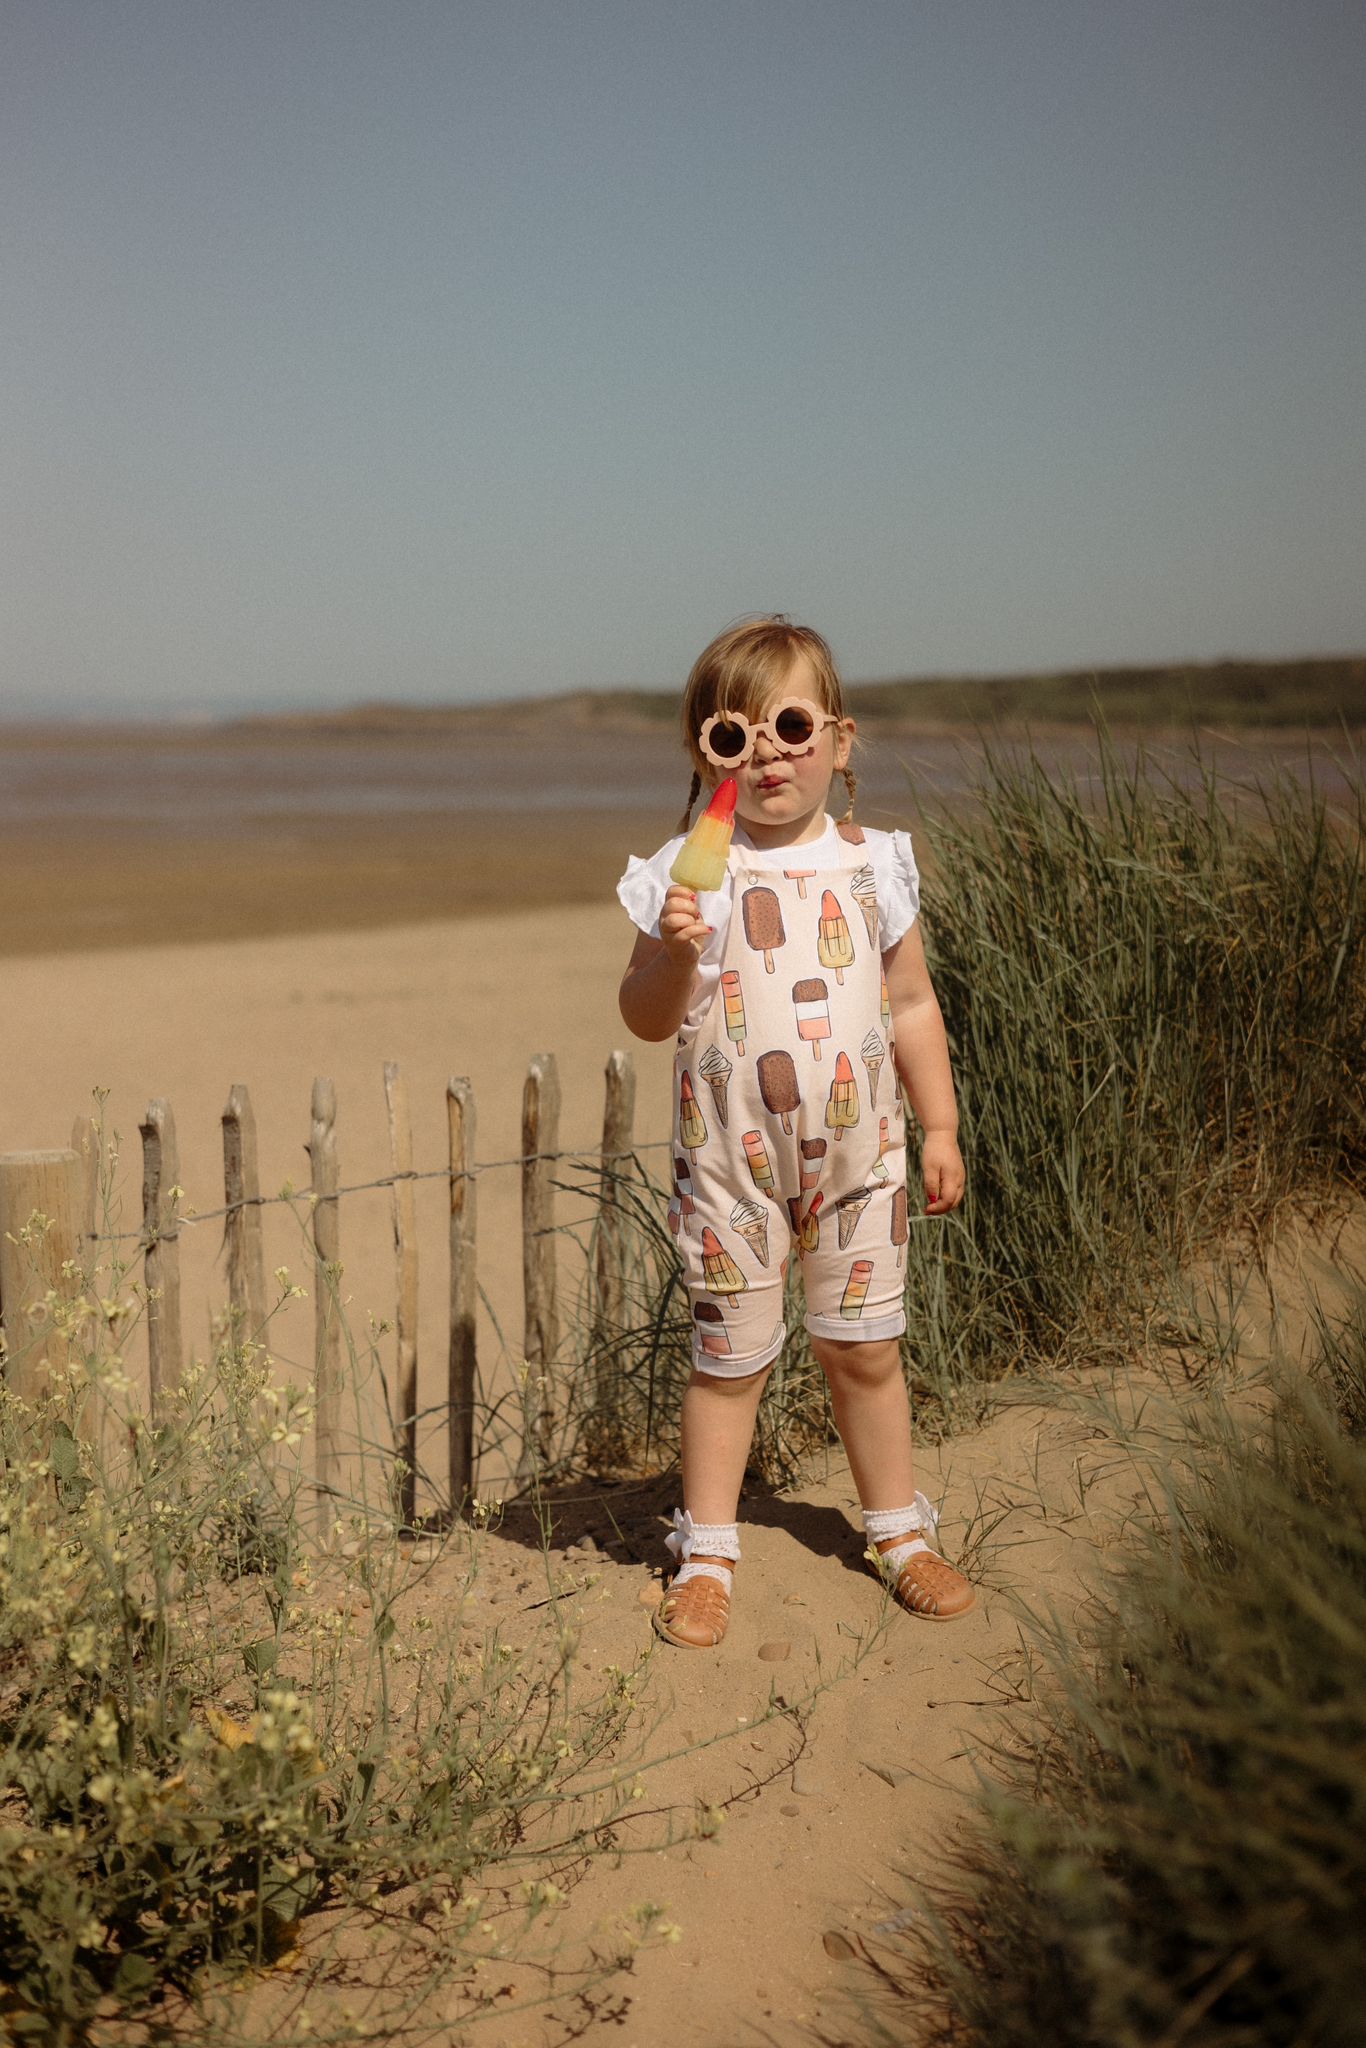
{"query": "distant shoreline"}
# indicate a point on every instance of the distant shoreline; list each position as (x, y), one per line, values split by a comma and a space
(1316, 692)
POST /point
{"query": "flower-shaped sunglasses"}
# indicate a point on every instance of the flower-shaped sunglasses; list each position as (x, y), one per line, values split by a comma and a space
(728, 739)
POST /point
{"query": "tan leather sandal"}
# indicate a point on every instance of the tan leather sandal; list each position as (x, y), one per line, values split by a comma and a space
(927, 1585)
(694, 1615)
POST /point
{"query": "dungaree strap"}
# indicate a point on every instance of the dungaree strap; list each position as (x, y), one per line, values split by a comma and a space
(851, 833)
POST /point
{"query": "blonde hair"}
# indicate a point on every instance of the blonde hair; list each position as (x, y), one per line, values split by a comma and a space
(741, 669)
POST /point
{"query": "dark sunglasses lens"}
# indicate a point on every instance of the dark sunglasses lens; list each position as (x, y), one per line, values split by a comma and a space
(728, 741)
(794, 726)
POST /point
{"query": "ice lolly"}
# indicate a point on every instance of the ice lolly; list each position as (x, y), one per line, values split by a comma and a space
(834, 947)
(692, 1130)
(863, 889)
(886, 1005)
(759, 1164)
(900, 1222)
(733, 998)
(683, 1192)
(749, 1219)
(811, 1000)
(841, 1111)
(813, 1152)
(778, 1085)
(847, 1212)
(711, 1333)
(763, 923)
(801, 876)
(715, 1070)
(720, 1274)
(870, 1052)
(856, 1289)
(700, 862)
(880, 1174)
(810, 1239)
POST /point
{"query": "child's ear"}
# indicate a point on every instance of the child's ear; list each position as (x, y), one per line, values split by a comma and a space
(844, 741)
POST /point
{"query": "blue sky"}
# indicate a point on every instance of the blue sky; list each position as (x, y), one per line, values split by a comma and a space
(449, 351)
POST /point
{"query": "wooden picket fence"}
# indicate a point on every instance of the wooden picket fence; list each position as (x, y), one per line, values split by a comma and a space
(64, 1187)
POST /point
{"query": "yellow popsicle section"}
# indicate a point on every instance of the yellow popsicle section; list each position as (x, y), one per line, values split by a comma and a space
(700, 862)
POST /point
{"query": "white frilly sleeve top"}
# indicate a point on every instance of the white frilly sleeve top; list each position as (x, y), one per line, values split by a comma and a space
(641, 893)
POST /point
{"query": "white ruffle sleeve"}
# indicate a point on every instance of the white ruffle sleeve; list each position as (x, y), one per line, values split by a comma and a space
(898, 884)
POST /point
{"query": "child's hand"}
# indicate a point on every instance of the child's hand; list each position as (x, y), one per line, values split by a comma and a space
(942, 1165)
(681, 928)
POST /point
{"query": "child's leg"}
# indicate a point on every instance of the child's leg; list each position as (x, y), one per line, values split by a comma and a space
(873, 1416)
(718, 1428)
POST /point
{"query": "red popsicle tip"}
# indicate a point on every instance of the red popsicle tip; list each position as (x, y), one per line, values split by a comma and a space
(722, 805)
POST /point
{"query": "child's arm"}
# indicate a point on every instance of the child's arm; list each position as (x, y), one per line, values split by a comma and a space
(922, 1060)
(659, 975)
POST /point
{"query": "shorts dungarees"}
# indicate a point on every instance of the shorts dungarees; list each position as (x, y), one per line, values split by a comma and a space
(788, 1125)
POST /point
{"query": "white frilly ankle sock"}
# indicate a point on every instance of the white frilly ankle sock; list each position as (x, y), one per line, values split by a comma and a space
(881, 1523)
(713, 1539)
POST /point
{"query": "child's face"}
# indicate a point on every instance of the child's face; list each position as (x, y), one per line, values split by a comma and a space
(780, 793)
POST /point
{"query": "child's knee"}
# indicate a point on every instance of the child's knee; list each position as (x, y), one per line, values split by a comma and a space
(865, 1364)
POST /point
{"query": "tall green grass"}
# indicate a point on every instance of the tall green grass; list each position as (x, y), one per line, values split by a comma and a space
(1155, 996)
(1175, 1855)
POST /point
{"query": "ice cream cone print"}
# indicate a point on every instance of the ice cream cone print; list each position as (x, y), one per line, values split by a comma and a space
(733, 1001)
(900, 1223)
(683, 1192)
(811, 1001)
(749, 1219)
(778, 1086)
(763, 921)
(886, 1004)
(842, 1110)
(848, 1209)
(757, 1159)
(801, 876)
(813, 1151)
(720, 1274)
(834, 947)
(856, 1289)
(715, 1070)
(871, 1053)
(692, 1131)
(810, 1237)
(863, 889)
(711, 1329)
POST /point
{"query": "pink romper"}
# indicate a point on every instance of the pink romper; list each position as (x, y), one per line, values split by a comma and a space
(788, 1121)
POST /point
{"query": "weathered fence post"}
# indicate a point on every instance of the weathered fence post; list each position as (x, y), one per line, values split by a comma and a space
(85, 1143)
(48, 1183)
(540, 1138)
(461, 1363)
(322, 1153)
(404, 1209)
(242, 1226)
(161, 1259)
(618, 1129)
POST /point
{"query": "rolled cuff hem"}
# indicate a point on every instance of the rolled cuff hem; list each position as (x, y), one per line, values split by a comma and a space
(737, 1368)
(865, 1330)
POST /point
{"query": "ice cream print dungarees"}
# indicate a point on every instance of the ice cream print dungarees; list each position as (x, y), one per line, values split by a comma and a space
(788, 1126)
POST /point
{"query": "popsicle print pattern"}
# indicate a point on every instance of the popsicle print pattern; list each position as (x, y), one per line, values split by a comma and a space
(692, 1129)
(856, 1290)
(811, 1001)
(733, 1003)
(711, 1329)
(757, 1160)
(716, 1071)
(720, 1274)
(763, 919)
(801, 876)
(778, 1086)
(842, 1110)
(834, 947)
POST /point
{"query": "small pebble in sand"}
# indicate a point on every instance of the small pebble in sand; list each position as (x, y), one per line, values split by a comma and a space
(648, 1596)
(791, 1811)
(773, 1653)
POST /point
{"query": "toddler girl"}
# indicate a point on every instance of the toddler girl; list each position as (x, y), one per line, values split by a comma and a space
(798, 993)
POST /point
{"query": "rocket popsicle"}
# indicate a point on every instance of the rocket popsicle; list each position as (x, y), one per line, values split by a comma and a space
(700, 862)
(763, 923)
(811, 1001)
(759, 1164)
(809, 1238)
(692, 1130)
(778, 1086)
(842, 1111)
(720, 1274)
(856, 1289)
(733, 999)
(834, 947)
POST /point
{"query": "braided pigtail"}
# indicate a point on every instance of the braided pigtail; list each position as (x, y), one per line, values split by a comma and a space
(851, 784)
(694, 791)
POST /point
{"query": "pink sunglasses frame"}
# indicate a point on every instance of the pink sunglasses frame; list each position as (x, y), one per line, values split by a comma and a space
(819, 720)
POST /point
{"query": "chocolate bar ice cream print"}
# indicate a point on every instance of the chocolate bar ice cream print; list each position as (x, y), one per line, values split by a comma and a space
(900, 1222)
(778, 1086)
(763, 923)
(811, 1001)
(711, 1333)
